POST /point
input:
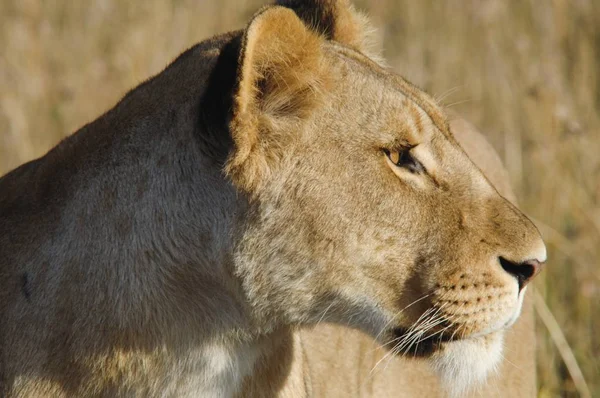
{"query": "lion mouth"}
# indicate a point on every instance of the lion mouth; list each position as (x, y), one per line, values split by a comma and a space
(408, 343)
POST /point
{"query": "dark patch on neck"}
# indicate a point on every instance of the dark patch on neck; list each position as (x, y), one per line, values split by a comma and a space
(25, 286)
(217, 101)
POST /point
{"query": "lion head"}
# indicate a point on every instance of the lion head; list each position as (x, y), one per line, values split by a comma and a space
(362, 209)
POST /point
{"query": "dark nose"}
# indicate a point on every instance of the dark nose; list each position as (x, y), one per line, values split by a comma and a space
(524, 272)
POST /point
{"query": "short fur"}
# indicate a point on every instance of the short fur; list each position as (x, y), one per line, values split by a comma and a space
(233, 226)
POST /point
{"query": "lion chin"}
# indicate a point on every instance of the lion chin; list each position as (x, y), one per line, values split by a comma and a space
(463, 365)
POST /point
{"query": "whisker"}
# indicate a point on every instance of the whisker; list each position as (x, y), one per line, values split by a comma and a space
(401, 339)
(325, 312)
(423, 327)
(398, 313)
(445, 94)
(507, 360)
(441, 332)
(457, 103)
(419, 337)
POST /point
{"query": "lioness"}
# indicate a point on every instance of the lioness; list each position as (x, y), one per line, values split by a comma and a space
(267, 180)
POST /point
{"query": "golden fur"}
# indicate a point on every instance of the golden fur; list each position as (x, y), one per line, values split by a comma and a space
(306, 263)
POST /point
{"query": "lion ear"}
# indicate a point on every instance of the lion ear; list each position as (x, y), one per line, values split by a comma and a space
(338, 20)
(279, 81)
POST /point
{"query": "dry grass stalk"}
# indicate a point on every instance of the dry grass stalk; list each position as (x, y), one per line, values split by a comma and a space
(562, 345)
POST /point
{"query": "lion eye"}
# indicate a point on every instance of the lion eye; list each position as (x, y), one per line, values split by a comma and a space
(404, 159)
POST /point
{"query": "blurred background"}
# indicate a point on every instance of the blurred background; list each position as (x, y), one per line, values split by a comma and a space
(525, 72)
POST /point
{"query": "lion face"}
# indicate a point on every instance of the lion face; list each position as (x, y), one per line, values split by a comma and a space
(362, 208)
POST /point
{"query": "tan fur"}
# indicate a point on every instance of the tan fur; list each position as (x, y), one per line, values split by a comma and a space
(320, 254)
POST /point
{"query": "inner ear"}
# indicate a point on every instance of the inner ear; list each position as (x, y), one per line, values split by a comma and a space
(338, 20)
(279, 82)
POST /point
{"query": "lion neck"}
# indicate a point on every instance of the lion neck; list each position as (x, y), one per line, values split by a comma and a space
(165, 225)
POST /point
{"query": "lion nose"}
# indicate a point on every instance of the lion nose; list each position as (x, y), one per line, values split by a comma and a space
(524, 272)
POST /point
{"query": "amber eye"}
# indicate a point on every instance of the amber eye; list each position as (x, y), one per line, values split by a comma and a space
(403, 158)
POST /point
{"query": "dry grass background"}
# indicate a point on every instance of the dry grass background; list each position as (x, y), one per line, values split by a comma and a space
(524, 71)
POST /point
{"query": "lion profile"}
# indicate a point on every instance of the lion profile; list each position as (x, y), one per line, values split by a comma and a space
(275, 214)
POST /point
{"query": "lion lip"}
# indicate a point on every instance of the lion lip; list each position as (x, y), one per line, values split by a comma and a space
(418, 346)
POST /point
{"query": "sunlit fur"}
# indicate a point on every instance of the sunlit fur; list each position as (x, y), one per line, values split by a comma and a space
(465, 365)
